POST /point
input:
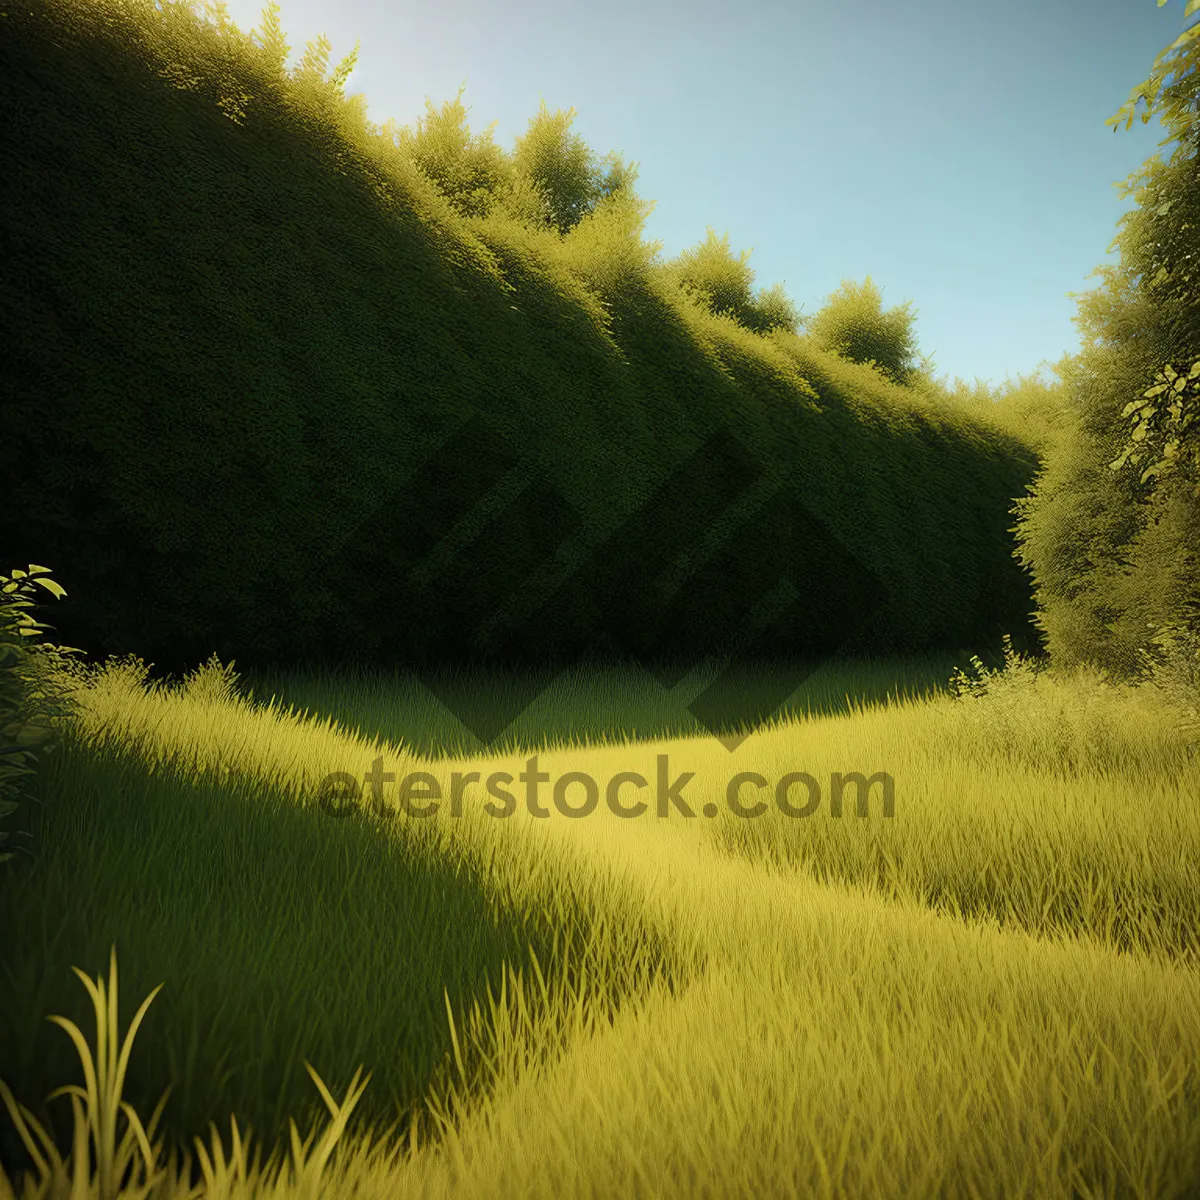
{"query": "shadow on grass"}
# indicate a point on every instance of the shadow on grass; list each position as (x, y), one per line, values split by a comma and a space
(464, 711)
(280, 935)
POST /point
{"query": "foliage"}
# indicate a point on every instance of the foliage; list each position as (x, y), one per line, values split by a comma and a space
(550, 180)
(31, 694)
(854, 325)
(1172, 668)
(1159, 250)
(134, 1166)
(202, 369)
(606, 247)
(561, 170)
(1164, 424)
(715, 279)
(1113, 552)
(1032, 408)
(1016, 670)
(1158, 242)
(1177, 101)
(470, 172)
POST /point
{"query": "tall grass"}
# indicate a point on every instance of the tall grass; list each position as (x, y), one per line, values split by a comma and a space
(577, 706)
(992, 993)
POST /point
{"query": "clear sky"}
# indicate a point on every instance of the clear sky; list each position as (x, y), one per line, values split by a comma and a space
(954, 151)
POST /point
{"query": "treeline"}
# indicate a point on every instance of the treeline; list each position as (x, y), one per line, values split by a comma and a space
(1111, 530)
(288, 386)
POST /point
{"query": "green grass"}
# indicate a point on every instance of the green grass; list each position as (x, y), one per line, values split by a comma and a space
(992, 993)
(577, 706)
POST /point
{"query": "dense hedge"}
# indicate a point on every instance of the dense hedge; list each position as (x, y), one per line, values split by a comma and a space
(261, 373)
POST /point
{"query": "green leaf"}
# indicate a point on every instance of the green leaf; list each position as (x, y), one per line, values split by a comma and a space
(56, 590)
(32, 735)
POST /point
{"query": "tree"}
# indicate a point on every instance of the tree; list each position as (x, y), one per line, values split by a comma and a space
(606, 247)
(549, 181)
(854, 325)
(721, 283)
(563, 172)
(471, 173)
(1161, 240)
(1113, 561)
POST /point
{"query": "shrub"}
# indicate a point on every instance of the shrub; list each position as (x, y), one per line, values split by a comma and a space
(33, 695)
(1172, 670)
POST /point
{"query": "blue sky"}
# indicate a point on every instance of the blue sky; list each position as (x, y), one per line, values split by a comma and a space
(955, 152)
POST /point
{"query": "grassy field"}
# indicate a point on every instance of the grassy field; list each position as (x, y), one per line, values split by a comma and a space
(993, 991)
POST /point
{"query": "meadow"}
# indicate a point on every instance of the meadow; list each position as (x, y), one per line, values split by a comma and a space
(929, 930)
(990, 992)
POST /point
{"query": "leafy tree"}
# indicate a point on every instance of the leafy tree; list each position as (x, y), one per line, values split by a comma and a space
(721, 283)
(1113, 561)
(1161, 239)
(854, 325)
(271, 39)
(771, 309)
(1165, 428)
(562, 170)
(606, 247)
(272, 43)
(471, 172)
(550, 181)
(272, 49)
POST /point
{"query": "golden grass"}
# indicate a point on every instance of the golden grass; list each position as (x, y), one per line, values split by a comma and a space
(993, 992)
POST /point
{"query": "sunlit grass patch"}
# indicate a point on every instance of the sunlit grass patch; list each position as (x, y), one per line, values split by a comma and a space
(993, 991)
(279, 925)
